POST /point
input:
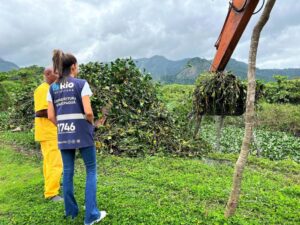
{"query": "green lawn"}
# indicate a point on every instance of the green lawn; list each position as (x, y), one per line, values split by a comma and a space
(155, 190)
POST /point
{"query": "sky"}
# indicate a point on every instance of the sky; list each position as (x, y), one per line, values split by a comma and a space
(103, 30)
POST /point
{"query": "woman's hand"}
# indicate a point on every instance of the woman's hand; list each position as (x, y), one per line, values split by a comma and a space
(88, 109)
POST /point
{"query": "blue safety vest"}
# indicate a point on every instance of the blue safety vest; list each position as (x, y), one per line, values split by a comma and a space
(74, 131)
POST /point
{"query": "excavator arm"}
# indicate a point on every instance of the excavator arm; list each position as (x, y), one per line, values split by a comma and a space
(239, 14)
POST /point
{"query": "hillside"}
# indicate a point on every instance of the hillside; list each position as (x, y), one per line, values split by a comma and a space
(7, 66)
(159, 66)
(186, 70)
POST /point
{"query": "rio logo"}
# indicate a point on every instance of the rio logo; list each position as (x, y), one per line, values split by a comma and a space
(66, 85)
(61, 86)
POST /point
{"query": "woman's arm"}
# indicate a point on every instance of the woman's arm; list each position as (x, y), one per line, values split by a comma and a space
(88, 109)
(51, 113)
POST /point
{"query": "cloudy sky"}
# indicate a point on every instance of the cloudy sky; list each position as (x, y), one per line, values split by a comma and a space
(103, 30)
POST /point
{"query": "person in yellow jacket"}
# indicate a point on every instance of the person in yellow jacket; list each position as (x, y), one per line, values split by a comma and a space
(46, 134)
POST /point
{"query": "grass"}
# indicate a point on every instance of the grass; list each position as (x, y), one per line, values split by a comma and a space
(155, 190)
(285, 117)
(23, 140)
(175, 95)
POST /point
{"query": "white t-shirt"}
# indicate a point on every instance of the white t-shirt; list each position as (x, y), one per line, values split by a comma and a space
(86, 91)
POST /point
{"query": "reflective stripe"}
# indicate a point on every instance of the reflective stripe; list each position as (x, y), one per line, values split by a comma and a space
(73, 116)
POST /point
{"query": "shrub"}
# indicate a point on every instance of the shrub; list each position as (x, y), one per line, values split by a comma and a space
(283, 90)
(21, 111)
(138, 121)
(4, 98)
(4, 120)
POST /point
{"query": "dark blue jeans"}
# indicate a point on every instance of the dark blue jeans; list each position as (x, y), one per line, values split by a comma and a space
(89, 157)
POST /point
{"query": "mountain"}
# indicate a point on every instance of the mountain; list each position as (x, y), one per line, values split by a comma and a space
(194, 67)
(187, 70)
(160, 66)
(7, 66)
(290, 72)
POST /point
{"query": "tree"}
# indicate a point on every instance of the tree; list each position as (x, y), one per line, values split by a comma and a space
(250, 112)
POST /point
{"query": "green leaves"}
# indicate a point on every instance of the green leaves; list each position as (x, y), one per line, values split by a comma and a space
(221, 94)
(138, 122)
(4, 98)
(274, 145)
(25, 80)
(283, 90)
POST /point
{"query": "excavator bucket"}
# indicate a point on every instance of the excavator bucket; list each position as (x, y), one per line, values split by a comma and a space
(239, 14)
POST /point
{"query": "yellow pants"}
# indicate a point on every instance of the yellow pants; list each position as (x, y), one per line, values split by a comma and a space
(52, 167)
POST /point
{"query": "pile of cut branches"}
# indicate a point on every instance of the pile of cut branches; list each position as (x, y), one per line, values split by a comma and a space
(221, 94)
(138, 122)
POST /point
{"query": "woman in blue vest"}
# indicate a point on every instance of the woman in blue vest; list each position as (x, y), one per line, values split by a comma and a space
(70, 109)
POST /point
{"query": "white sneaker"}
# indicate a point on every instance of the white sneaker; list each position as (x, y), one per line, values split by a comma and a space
(57, 198)
(102, 215)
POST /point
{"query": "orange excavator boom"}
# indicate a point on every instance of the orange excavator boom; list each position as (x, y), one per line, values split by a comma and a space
(239, 14)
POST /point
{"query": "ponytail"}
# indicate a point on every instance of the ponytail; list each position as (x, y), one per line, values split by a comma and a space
(57, 60)
(62, 64)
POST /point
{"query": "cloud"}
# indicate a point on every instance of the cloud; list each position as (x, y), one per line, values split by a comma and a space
(104, 30)
(278, 43)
